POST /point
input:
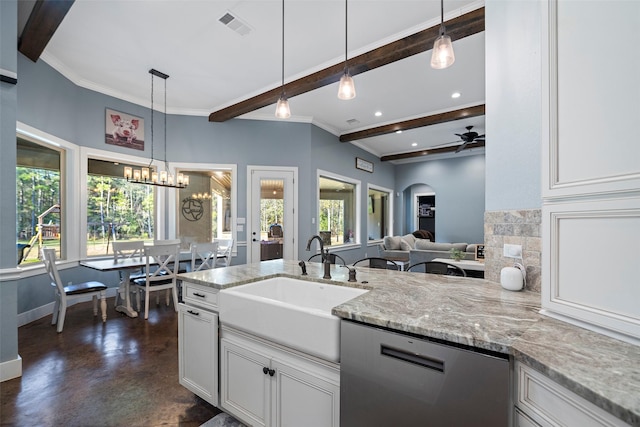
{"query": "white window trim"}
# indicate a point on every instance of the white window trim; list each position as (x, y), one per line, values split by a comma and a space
(87, 153)
(173, 201)
(358, 184)
(70, 203)
(389, 210)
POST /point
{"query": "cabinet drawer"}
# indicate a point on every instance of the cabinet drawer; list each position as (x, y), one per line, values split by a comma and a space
(200, 295)
(550, 404)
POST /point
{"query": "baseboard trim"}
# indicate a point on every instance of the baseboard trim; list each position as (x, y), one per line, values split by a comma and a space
(45, 310)
(11, 369)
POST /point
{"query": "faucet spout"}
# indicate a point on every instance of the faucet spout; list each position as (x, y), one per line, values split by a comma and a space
(316, 237)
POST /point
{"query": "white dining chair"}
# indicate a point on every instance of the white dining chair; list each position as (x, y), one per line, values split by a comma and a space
(161, 270)
(225, 246)
(124, 250)
(203, 256)
(72, 291)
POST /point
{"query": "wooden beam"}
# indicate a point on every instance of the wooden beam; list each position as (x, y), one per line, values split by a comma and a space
(449, 116)
(460, 27)
(428, 152)
(43, 22)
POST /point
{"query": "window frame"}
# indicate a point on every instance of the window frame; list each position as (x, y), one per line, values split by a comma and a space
(69, 175)
(87, 153)
(389, 224)
(357, 210)
(172, 214)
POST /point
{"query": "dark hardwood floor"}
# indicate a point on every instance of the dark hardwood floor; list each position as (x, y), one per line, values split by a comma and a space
(121, 373)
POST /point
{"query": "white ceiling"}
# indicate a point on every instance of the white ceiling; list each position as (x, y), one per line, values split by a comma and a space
(109, 46)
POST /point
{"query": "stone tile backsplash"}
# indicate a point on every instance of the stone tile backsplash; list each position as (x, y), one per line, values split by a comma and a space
(517, 227)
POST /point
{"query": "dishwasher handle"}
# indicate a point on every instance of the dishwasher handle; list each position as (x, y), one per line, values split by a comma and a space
(416, 359)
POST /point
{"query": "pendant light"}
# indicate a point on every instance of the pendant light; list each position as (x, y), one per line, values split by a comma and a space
(164, 179)
(282, 107)
(442, 55)
(347, 89)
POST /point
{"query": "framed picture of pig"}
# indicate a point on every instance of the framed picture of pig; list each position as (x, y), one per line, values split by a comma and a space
(124, 130)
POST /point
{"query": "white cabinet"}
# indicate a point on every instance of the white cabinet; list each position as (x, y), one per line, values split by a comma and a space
(541, 401)
(198, 345)
(591, 170)
(264, 384)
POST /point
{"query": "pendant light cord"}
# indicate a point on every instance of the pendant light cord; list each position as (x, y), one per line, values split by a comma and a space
(442, 18)
(166, 164)
(346, 34)
(283, 47)
(151, 159)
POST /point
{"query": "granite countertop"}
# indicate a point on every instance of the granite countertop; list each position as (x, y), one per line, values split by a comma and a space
(478, 313)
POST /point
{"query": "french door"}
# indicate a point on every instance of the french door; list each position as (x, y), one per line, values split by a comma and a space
(271, 213)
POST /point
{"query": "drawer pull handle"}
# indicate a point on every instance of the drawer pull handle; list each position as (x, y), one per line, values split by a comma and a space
(265, 370)
(198, 295)
(271, 372)
(195, 313)
(416, 359)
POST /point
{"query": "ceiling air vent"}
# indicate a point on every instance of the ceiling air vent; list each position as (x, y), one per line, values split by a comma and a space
(353, 121)
(235, 23)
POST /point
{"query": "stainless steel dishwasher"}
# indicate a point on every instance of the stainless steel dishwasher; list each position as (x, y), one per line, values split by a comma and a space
(392, 379)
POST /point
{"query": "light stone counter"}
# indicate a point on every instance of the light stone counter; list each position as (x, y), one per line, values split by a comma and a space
(476, 313)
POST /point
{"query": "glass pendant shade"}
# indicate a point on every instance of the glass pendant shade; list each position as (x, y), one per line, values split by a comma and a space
(442, 55)
(282, 108)
(347, 89)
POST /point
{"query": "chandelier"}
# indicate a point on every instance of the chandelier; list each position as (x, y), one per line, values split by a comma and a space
(147, 175)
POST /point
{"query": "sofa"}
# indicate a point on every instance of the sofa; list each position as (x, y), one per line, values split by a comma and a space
(397, 247)
(425, 250)
(409, 248)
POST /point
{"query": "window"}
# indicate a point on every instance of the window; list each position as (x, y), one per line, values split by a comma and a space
(205, 210)
(379, 213)
(39, 209)
(338, 209)
(116, 209)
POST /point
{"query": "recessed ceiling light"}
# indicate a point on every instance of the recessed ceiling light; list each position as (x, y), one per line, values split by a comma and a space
(398, 131)
(414, 144)
(455, 95)
(378, 113)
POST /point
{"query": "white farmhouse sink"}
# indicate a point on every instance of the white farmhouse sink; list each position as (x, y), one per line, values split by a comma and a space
(291, 312)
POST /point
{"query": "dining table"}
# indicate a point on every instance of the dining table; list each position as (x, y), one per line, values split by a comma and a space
(126, 265)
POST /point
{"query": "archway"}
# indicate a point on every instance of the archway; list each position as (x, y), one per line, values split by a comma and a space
(419, 208)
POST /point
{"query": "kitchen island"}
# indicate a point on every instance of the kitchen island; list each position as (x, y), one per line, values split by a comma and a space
(476, 313)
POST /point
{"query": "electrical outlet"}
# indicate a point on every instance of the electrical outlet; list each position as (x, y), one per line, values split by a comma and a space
(513, 251)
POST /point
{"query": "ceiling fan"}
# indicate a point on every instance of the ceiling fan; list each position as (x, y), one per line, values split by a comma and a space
(467, 138)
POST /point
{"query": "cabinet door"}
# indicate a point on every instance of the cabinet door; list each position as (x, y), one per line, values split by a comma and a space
(521, 420)
(198, 352)
(244, 386)
(303, 399)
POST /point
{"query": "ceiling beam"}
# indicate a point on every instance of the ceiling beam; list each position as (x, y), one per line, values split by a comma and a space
(431, 151)
(43, 22)
(460, 27)
(449, 116)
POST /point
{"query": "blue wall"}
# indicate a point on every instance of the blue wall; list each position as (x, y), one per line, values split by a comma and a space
(459, 187)
(8, 100)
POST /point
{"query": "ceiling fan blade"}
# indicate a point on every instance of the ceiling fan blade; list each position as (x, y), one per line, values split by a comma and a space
(445, 144)
(462, 147)
(479, 136)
